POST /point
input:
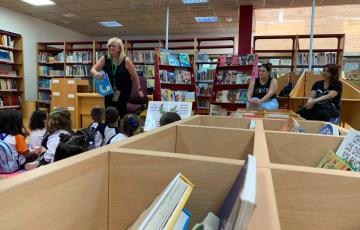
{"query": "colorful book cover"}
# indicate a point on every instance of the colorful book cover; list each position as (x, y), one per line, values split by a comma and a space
(163, 76)
(172, 59)
(189, 96)
(103, 87)
(332, 161)
(349, 150)
(329, 129)
(242, 60)
(171, 78)
(250, 58)
(163, 57)
(222, 60)
(234, 60)
(186, 75)
(228, 60)
(184, 59)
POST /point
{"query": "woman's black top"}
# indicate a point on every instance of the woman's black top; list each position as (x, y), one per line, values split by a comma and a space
(119, 76)
(320, 90)
(261, 90)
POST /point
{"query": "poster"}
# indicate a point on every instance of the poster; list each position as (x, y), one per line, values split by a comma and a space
(157, 108)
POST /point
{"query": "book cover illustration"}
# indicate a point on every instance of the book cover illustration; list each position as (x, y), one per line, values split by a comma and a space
(173, 60)
(234, 60)
(329, 129)
(349, 150)
(171, 78)
(250, 59)
(163, 76)
(222, 60)
(184, 60)
(228, 60)
(332, 161)
(163, 57)
(103, 87)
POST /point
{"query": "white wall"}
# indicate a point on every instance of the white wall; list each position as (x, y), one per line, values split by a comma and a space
(34, 30)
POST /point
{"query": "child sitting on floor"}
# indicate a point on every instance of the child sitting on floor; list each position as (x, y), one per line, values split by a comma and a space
(37, 130)
(130, 125)
(59, 122)
(97, 115)
(168, 118)
(105, 133)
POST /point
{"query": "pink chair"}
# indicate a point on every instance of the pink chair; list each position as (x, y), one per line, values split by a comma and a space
(134, 105)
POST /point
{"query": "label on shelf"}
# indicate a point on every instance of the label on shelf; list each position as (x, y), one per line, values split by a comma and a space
(71, 82)
(71, 108)
(71, 96)
(56, 94)
(55, 81)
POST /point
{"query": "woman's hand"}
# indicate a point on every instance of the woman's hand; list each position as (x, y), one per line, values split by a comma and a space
(310, 103)
(254, 101)
(98, 76)
(141, 93)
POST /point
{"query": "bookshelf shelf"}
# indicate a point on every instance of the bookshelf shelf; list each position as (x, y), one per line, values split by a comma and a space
(10, 91)
(204, 63)
(204, 96)
(79, 63)
(44, 89)
(239, 67)
(10, 49)
(10, 77)
(48, 63)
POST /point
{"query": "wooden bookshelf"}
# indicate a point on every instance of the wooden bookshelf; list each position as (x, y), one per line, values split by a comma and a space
(209, 151)
(11, 72)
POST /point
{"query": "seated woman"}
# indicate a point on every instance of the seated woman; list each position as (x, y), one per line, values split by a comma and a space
(324, 101)
(262, 90)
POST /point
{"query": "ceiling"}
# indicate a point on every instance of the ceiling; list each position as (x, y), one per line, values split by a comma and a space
(147, 17)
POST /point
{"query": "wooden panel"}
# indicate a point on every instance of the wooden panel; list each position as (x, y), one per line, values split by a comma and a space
(299, 149)
(317, 199)
(137, 179)
(214, 142)
(350, 113)
(215, 121)
(298, 90)
(70, 194)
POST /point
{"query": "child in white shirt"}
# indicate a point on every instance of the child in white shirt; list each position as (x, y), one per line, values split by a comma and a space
(37, 130)
(130, 125)
(105, 133)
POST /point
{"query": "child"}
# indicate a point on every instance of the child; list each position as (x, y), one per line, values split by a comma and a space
(131, 124)
(37, 130)
(168, 118)
(104, 134)
(11, 132)
(59, 122)
(97, 115)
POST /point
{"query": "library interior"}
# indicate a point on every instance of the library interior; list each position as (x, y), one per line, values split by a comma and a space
(108, 107)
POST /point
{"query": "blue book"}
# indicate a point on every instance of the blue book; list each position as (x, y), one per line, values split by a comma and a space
(184, 59)
(173, 61)
(183, 220)
(103, 87)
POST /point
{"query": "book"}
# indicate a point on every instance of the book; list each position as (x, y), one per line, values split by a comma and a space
(239, 204)
(103, 87)
(6, 56)
(173, 60)
(183, 220)
(6, 41)
(167, 207)
(232, 96)
(211, 222)
(178, 96)
(250, 59)
(163, 57)
(234, 60)
(222, 60)
(217, 110)
(332, 161)
(349, 150)
(184, 60)
(292, 126)
(79, 56)
(330, 129)
(230, 77)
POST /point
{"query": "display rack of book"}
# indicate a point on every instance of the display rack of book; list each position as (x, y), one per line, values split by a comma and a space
(11, 71)
(233, 73)
(142, 53)
(174, 77)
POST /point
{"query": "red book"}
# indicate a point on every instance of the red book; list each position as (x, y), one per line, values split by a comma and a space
(234, 60)
(222, 60)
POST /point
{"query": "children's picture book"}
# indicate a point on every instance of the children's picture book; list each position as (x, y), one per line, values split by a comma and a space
(250, 59)
(292, 126)
(222, 60)
(332, 161)
(238, 96)
(349, 150)
(173, 60)
(184, 60)
(103, 87)
(330, 129)
(163, 76)
(171, 78)
(217, 110)
(234, 60)
(158, 108)
(179, 96)
(163, 57)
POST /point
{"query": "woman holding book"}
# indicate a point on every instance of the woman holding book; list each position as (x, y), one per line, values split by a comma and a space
(262, 90)
(122, 75)
(324, 101)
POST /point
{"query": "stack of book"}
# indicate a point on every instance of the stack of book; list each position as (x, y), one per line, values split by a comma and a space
(79, 56)
(6, 41)
(177, 77)
(236, 60)
(180, 96)
(78, 71)
(8, 85)
(238, 96)
(6, 56)
(168, 58)
(292, 126)
(229, 77)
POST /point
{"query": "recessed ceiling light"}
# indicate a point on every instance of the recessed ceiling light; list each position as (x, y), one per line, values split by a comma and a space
(39, 2)
(208, 19)
(189, 2)
(111, 24)
(68, 15)
(229, 19)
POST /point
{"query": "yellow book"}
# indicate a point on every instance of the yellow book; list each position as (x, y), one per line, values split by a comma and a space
(332, 161)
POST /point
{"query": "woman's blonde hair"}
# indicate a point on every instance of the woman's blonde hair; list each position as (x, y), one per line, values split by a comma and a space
(118, 42)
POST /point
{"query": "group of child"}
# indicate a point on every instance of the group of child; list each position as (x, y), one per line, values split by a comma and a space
(51, 137)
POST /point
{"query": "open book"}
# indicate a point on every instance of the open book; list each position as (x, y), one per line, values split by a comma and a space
(239, 204)
(349, 150)
(166, 209)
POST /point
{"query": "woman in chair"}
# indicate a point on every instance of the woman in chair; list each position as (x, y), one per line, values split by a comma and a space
(324, 101)
(262, 90)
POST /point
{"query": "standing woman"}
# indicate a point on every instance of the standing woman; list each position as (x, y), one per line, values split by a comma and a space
(262, 90)
(122, 75)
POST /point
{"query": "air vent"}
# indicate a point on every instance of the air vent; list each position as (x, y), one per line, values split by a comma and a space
(199, 7)
(139, 5)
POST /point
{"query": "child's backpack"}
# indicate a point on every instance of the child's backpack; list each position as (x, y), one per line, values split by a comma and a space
(9, 163)
(89, 134)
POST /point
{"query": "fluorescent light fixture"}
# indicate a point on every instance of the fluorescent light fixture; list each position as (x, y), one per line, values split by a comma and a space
(111, 24)
(208, 19)
(39, 2)
(189, 2)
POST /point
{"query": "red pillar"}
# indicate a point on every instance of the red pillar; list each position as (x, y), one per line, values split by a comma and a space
(245, 29)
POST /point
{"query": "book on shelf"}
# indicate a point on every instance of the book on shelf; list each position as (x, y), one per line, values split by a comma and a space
(147, 71)
(230, 77)
(178, 95)
(333, 161)
(8, 84)
(8, 73)
(99, 54)
(45, 57)
(239, 204)
(319, 58)
(292, 126)
(177, 77)
(166, 209)
(10, 101)
(79, 56)
(173, 59)
(330, 129)
(6, 56)
(78, 70)
(238, 96)
(44, 96)
(44, 83)
(150, 86)
(184, 60)
(206, 74)
(211, 222)
(236, 60)
(146, 57)
(203, 103)
(49, 71)
(349, 150)
(163, 57)
(204, 89)
(202, 57)
(217, 110)
(7, 41)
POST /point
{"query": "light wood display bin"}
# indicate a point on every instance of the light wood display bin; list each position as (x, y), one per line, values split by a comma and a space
(110, 187)
(350, 101)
